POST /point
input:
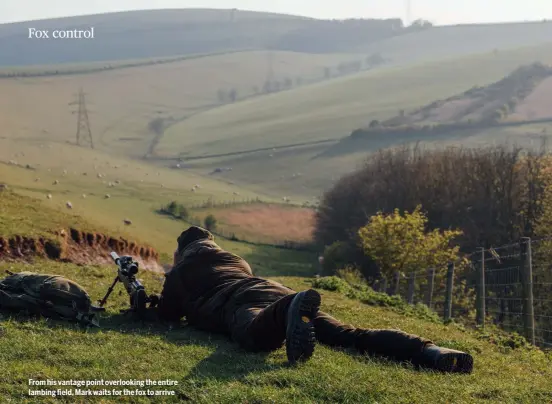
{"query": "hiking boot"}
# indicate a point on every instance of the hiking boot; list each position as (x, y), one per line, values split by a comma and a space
(300, 334)
(446, 360)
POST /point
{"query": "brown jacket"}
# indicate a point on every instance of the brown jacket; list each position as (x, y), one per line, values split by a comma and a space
(209, 284)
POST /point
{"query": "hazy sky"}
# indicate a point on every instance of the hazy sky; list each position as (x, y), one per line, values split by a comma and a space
(438, 11)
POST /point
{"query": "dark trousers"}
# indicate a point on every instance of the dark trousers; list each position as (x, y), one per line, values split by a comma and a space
(262, 327)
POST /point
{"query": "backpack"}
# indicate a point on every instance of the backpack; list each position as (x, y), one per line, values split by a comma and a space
(47, 295)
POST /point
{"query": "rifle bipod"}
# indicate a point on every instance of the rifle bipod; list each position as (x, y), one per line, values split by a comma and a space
(126, 274)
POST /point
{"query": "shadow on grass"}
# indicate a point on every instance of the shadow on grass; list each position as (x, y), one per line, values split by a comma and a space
(227, 362)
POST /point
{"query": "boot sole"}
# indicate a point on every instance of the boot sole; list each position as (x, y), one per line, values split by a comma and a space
(300, 333)
(455, 363)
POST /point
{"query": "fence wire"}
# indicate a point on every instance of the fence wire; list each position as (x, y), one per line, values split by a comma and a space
(504, 296)
(514, 275)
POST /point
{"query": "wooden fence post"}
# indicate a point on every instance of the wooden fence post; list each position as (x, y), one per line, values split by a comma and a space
(527, 284)
(396, 283)
(450, 286)
(481, 288)
(383, 285)
(430, 283)
(411, 287)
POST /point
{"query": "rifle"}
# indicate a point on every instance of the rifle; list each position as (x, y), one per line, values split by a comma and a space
(126, 273)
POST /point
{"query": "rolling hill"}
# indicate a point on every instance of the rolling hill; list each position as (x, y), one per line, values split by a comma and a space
(445, 42)
(122, 103)
(162, 33)
(148, 34)
(177, 107)
(325, 111)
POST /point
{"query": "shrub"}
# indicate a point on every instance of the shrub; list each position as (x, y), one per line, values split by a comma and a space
(176, 210)
(210, 222)
(402, 243)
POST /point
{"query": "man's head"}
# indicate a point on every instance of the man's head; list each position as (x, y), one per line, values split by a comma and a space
(187, 237)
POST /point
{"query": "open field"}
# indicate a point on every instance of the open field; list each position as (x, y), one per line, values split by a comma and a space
(263, 222)
(324, 111)
(130, 199)
(335, 108)
(123, 102)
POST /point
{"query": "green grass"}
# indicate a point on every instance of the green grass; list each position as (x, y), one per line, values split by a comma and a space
(208, 368)
(131, 199)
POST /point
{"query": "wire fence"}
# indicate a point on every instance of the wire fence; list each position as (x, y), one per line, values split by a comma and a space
(509, 286)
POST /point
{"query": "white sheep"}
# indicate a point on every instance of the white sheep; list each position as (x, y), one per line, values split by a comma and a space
(83, 196)
(49, 196)
(107, 196)
(69, 205)
(56, 182)
(127, 222)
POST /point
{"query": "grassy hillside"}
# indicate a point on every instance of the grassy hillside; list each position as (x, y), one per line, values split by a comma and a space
(325, 111)
(161, 33)
(143, 34)
(334, 108)
(460, 40)
(209, 368)
(130, 199)
(122, 103)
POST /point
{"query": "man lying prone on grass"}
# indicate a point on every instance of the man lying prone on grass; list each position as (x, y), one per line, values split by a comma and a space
(216, 291)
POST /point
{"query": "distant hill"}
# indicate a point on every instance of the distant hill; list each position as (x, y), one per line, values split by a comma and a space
(523, 95)
(455, 41)
(150, 34)
(162, 33)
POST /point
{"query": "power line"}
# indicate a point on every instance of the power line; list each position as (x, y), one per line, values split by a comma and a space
(84, 134)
